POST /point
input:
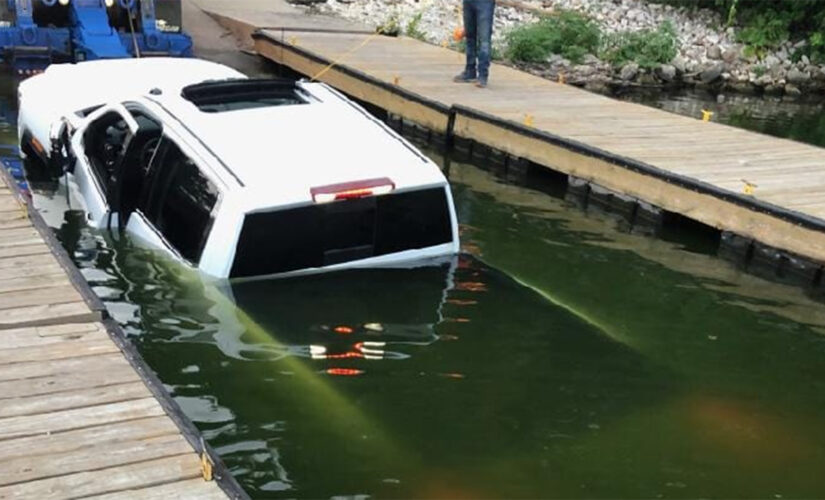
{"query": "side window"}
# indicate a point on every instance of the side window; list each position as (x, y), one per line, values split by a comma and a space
(132, 174)
(103, 142)
(179, 201)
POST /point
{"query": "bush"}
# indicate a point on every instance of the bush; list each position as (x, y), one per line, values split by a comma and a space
(647, 48)
(569, 34)
(766, 23)
(765, 31)
(390, 26)
(414, 27)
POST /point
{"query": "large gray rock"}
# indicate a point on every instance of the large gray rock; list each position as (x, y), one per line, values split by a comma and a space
(792, 90)
(712, 73)
(583, 70)
(764, 80)
(819, 74)
(797, 77)
(679, 63)
(771, 62)
(714, 52)
(731, 54)
(591, 59)
(629, 71)
(666, 72)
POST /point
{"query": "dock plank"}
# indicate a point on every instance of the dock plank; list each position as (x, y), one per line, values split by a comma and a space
(71, 399)
(92, 439)
(24, 250)
(64, 420)
(91, 376)
(125, 477)
(59, 350)
(47, 314)
(60, 294)
(116, 453)
(29, 337)
(195, 489)
(60, 367)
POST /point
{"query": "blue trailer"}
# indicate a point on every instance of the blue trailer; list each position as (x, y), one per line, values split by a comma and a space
(36, 33)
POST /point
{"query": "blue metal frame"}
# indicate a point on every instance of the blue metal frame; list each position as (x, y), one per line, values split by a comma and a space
(29, 47)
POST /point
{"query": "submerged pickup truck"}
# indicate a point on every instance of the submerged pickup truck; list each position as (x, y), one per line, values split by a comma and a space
(234, 176)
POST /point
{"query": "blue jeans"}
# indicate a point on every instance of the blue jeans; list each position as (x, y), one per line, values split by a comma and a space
(478, 29)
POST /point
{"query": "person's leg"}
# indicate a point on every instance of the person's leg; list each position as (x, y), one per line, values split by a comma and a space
(470, 30)
(484, 31)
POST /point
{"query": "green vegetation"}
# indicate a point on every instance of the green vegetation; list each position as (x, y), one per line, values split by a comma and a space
(414, 27)
(764, 24)
(390, 26)
(647, 48)
(573, 35)
(569, 34)
(766, 31)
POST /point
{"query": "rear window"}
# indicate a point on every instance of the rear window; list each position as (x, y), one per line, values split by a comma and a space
(331, 233)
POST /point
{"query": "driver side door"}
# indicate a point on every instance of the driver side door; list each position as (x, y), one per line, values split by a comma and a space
(99, 146)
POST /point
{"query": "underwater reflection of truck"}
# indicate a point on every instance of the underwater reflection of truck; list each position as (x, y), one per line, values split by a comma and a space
(234, 176)
(341, 318)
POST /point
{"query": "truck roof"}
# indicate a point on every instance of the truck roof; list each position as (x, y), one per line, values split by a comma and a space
(278, 152)
(90, 83)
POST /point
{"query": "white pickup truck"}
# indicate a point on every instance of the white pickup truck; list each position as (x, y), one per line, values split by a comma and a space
(236, 177)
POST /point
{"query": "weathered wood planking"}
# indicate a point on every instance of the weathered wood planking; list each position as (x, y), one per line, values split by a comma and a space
(413, 79)
(168, 469)
(76, 418)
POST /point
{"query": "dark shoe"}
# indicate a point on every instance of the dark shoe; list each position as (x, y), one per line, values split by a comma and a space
(463, 77)
(481, 83)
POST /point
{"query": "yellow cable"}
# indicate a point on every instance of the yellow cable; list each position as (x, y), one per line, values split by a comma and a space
(367, 40)
(348, 53)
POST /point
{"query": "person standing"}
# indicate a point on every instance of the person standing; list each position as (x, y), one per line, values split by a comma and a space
(478, 32)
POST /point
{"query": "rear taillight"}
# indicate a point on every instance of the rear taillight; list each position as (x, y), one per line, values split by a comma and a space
(352, 190)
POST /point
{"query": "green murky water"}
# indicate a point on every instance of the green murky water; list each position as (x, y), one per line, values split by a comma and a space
(558, 357)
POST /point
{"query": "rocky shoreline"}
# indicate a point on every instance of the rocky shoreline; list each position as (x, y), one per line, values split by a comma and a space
(709, 55)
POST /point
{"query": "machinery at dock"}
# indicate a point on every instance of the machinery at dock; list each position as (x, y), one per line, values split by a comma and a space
(36, 33)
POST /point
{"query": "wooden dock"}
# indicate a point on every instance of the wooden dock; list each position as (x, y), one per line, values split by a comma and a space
(80, 414)
(761, 188)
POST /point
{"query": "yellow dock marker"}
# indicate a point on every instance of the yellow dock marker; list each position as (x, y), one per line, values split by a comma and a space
(706, 115)
(528, 119)
(562, 78)
(293, 40)
(206, 462)
(749, 187)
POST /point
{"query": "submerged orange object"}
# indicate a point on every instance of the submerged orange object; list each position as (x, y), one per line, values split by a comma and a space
(344, 372)
(458, 34)
(343, 330)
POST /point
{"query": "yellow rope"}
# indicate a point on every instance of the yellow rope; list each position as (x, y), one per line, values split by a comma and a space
(346, 54)
(367, 40)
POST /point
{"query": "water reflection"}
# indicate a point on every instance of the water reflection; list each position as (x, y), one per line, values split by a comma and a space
(365, 314)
